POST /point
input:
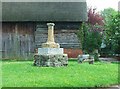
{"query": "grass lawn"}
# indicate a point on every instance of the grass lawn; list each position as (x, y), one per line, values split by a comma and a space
(0, 74)
(24, 74)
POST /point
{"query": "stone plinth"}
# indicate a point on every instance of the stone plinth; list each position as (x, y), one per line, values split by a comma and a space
(51, 60)
(46, 51)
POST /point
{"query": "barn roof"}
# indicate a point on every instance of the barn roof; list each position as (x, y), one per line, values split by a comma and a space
(48, 10)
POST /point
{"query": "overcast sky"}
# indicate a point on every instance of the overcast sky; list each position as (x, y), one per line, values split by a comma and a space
(101, 4)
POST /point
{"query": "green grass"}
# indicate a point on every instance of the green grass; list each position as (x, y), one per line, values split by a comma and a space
(0, 74)
(24, 74)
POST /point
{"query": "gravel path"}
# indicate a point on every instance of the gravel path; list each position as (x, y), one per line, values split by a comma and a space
(111, 87)
(108, 59)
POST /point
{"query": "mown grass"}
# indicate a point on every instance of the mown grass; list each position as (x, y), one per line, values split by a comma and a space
(24, 74)
(0, 74)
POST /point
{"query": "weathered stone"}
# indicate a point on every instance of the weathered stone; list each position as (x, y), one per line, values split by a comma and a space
(50, 41)
(50, 45)
(91, 59)
(51, 60)
(57, 64)
(81, 58)
(87, 57)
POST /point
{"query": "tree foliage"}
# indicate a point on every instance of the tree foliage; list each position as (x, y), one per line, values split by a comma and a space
(107, 13)
(95, 18)
(113, 34)
(90, 32)
(101, 27)
(112, 30)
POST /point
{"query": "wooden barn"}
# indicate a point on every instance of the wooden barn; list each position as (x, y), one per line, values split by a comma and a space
(24, 26)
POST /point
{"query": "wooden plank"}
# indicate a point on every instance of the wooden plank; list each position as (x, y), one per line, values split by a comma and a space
(18, 40)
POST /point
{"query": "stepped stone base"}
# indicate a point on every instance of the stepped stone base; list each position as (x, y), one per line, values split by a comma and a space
(43, 51)
(51, 60)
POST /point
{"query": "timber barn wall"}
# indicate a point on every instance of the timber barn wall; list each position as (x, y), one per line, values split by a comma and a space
(21, 39)
(24, 26)
(17, 40)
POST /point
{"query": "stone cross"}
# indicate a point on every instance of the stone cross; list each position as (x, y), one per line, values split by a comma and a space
(50, 41)
(50, 55)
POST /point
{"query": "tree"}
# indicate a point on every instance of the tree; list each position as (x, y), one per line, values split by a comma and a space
(90, 32)
(113, 34)
(107, 13)
(95, 18)
(112, 30)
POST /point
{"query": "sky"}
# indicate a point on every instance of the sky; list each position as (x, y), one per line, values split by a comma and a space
(102, 4)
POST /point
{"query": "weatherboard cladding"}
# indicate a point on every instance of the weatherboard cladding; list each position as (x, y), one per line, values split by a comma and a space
(44, 11)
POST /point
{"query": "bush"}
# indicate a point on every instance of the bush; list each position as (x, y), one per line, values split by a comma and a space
(90, 38)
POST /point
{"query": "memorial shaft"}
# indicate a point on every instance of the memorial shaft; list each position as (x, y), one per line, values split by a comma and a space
(50, 40)
(50, 32)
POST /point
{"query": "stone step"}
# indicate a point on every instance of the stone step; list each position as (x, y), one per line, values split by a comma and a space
(44, 51)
